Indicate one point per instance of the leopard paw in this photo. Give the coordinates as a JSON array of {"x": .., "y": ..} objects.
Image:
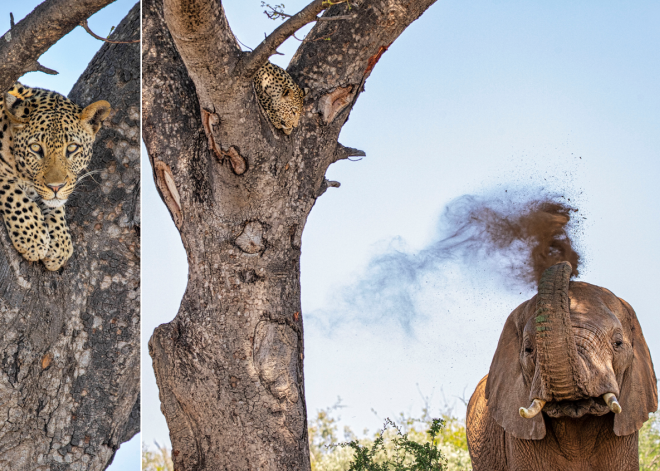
[
  {"x": 33, "y": 244},
  {"x": 61, "y": 248},
  {"x": 55, "y": 259},
  {"x": 55, "y": 262}
]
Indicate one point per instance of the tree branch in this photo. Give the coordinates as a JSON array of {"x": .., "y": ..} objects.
[
  {"x": 164, "y": 105},
  {"x": 254, "y": 60},
  {"x": 25, "y": 42},
  {"x": 85, "y": 26},
  {"x": 37, "y": 67},
  {"x": 205, "y": 43},
  {"x": 335, "y": 18},
  {"x": 336, "y": 79},
  {"x": 342, "y": 152},
  {"x": 276, "y": 12}
]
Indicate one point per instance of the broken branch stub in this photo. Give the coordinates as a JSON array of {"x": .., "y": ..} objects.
[
  {"x": 342, "y": 152},
  {"x": 210, "y": 121},
  {"x": 325, "y": 184},
  {"x": 251, "y": 239},
  {"x": 238, "y": 163},
  {"x": 167, "y": 187},
  {"x": 330, "y": 105}
]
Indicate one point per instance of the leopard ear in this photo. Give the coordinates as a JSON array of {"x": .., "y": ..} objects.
[
  {"x": 12, "y": 104},
  {"x": 94, "y": 115}
]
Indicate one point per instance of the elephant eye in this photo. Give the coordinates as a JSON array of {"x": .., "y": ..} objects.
[
  {"x": 528, "y": 350},
  {"x": 617, "y": 343}
]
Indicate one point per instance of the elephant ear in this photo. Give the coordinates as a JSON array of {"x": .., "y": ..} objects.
[
  {"x": 506, "y": 389},
  {"x": 639, "y": 392}
]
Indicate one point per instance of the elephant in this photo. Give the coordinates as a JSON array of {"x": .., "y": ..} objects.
[{"x": 577, "y": 354}]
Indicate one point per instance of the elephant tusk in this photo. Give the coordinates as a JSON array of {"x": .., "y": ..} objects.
[
  {"x": 612, "y": 403},
  {"x": 534, "y": 409}
]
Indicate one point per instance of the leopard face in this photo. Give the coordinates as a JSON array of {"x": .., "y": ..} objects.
[
  {"x": 45, "y": 143},
  {"x": 52, "y": 142},
  {"x": 280, "y": 97}
]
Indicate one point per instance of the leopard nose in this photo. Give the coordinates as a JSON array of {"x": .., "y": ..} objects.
[{"x": 55, "y": 186}]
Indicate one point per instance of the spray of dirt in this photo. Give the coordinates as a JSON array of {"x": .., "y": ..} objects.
[
  {"x": 512, "y": 237},
  {"x": 526, "y": 237}
]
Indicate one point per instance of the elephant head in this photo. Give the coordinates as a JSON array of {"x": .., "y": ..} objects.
[{"x": 573, "y": 349}]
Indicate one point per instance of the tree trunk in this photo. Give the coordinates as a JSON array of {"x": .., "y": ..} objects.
[
  {"x": 229, "y": 367},
  {"x": 69, "y": 368}
]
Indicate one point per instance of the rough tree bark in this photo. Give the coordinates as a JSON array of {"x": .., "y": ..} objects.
[
  {"x": 69, "y": 340},
  {"x": 229, "y": 367}
]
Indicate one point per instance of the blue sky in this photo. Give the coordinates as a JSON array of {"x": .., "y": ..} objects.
[
  {"x": 70, "y": 57},
  {"x": 476, "y": 97}
]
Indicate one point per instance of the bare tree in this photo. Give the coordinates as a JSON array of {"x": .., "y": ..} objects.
[
  {"x": 69, "y": 342},
  {"x": 229, "y": 367}
]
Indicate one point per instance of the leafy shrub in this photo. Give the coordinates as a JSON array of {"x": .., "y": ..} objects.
[
  {"x": 649, "y": 444},
  {"x": 413, "y": 445},
  {"x": 402, "y": 454},
  {"x": 446, "y": 436},
  {"x": 159, "y": 460}
]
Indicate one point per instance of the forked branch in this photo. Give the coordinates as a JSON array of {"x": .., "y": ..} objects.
[
  {"x": 26, "y": 41},
  {"x": 254, "y": 60}
]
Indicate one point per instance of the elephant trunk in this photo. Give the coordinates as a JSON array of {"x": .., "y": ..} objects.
[{"x": 557, "y": 356}]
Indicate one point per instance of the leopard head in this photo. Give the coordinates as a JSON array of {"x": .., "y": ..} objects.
[
  {"x": 289, "y": 109},
  {"x": 52, "y": 141},
  {"x": 280, "y": 97}
]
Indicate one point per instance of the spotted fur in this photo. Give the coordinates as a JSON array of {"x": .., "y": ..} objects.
[
  {"x": 45, "y": 143},
  {"x": 280, "y": 97}
]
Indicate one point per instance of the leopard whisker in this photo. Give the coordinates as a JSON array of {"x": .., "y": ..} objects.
[{"x": 92, "y": 172}]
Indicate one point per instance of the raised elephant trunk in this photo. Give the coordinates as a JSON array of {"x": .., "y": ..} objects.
[{"x": 557, "y": 356}]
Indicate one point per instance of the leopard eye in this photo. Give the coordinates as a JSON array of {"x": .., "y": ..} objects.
[
  {"x": 36, "y": 148},
  {"x": 71, "y": 148}
]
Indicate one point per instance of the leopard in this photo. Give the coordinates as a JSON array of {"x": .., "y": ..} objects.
[
  {"x": 280, "y": 97},
  {"x": 45, "y": 143}
]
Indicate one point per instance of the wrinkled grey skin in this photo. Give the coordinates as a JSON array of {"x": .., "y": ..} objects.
[{"x": 567, "y": 346}]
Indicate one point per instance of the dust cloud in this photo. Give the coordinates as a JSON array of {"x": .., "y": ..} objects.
[
  {"x": 525, "y": 236},
  {"x": 512, "y": 238}
]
